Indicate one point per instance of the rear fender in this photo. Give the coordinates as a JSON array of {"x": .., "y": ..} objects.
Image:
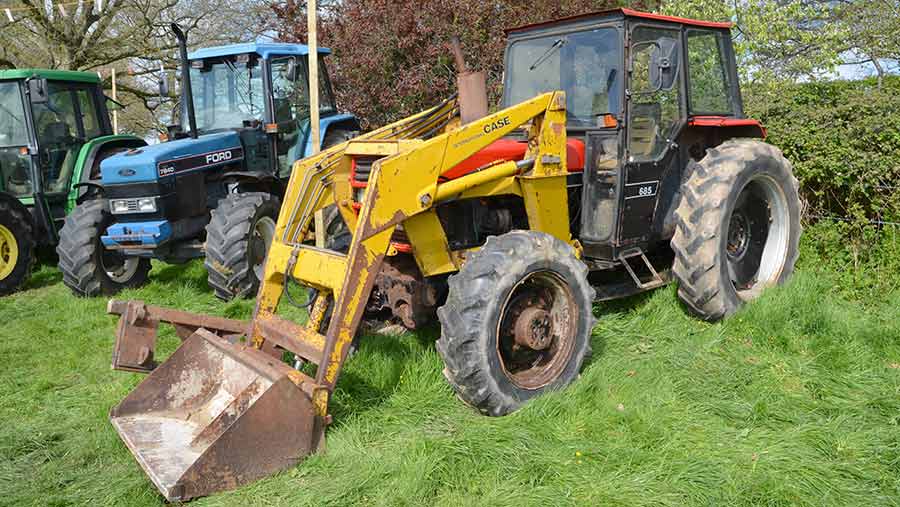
[{"x": 345, "y": 121}]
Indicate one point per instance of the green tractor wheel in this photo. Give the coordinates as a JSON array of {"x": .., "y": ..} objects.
[{"x": 16, "y": 245}]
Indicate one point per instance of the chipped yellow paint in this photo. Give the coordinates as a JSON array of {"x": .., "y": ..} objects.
[{"x": 320, "y": 402}]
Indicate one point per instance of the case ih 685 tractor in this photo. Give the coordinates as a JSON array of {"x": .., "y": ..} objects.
[
  {"x": 213, "y": 189},
  {"x": 620, "y": 156},
  {"x": 54, "y": 132}
]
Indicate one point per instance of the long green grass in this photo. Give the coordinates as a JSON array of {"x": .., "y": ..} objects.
[{"x": 794, "y": 401}]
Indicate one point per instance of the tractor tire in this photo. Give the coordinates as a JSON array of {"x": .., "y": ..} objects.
[
  {"x": 87, "y": 267},
  {"x": 17, "y": 245},
  {"x": 237, "y": 240},
  {"x": 336, "y": 136},
  {"x": 517, "y": 321},
  {"x": 737, "y": 227}
]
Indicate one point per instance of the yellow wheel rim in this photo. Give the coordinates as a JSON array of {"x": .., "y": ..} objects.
[{"x": 9, "y": 252}]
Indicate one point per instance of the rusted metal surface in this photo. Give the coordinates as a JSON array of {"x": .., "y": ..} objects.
[
  {"x": 136, "y": 332},
  {"x": 401, "y": 289},
  {"x": 533, "y": 328},
  {"x": 537, "y": 330},
  {"x": 217, "y": 415},
  {"x": 472, "y": 86},
  {"x": 292, "y": 337}
]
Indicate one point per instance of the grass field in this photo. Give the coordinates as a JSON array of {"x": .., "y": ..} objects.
[{"x": 795, "y": 401}]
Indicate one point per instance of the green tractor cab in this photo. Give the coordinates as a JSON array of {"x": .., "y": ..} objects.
[{"x": 54, "y": 132}]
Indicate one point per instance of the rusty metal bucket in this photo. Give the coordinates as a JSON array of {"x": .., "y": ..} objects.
[{"x": 216, "y": 415}]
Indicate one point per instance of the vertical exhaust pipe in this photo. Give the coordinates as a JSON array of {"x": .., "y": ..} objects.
[
  {"x": 187, "y": 95},
  {"x": 472, "y": 86}
]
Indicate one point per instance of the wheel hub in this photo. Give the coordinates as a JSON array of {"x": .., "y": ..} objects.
[
  {"x": 738, "y": 235},
  {"x": 9, "y": 252},
  {"x": 533, "y": 329}
]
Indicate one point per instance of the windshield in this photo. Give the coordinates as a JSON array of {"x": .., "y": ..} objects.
[
  {"x": 586, "y": 65},
  {"x": 12, "y": 115},
  {"x": 227, "y": 93}
]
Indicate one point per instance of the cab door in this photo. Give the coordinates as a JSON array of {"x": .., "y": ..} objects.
[{"x": 655, "y": 115}]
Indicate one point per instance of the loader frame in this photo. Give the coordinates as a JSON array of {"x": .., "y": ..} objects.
[{"x": 404, "y": 189}]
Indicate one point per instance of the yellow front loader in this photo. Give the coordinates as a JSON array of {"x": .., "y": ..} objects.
[
  {"x": 506, "y": 226},
  {"x": 224, "y": 409}
]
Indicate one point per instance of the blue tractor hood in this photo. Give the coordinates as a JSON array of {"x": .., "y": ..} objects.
[{"x": 165, "y": 160}]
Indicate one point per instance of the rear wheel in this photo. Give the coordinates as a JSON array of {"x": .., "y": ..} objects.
[
  {"x": 238, "y": 237},
  {"x": 517, "y": 321},
  {"x": 16, "y": 245},
  {"x": 88, "y": 268},
  {"x": 738, "y": 227}
]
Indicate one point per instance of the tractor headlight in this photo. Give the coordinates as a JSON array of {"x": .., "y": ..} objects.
[
  {"x": 147, "y": 204},
  {"x": 139, "y": 205}
]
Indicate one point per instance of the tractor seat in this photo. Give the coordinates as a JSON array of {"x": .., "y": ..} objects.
[{"x": 510, "y": 149}]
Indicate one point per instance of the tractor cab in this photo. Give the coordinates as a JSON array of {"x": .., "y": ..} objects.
[
  {"x": 262, "y": 90},
  {"x": 52, "y": 125},
  {"x": 645, "y": 93}
]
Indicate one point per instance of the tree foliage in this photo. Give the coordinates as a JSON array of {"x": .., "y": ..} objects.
[
  {"x": 390, "y": 56},
  {"x": 774, "y": 40},
  {"x": 130, "y": 35}
]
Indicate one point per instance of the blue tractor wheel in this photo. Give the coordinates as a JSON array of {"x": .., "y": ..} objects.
[{"x": 88, "y": 268}]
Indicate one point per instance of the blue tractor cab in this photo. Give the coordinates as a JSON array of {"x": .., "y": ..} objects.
[{"x": 214, "y": 188}]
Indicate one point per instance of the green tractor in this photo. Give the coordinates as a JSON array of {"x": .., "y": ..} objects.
[{"x": 54, "y": 132}]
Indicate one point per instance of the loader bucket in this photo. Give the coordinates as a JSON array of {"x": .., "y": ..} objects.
[{"x": 217, "y": 415}]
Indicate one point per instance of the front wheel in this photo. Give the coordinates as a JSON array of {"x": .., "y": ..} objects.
[
  {"x": 16, "y": 245},
  {"x": 737, "y": 227},
  {"x": 517, "y": 321},
  {"x": 88, "y": 268},
  {"x": 238, "y": 237}
]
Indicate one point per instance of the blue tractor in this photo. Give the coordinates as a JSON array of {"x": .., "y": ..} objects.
[{"x": 214, "y": 188}]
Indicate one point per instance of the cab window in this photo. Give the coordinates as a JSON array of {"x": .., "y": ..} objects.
[
  {"x": 710, "y": 86},
  {"x": 655, "y": 110},
  {"x": 60, "y": 134}
]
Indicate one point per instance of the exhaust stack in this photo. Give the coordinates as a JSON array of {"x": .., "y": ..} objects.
[
  {"x": 187, "y": 95},
  {"x": 473, "y": 103}
]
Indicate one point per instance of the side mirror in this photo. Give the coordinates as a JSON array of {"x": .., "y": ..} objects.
[
  {"x": 664, "y": 63},
  {"x": 658, "y": 61},
  {"x": 38, "y": 90}
]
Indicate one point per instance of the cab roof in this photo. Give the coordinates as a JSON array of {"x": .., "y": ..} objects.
[
  {"x": 52, "y": 75},
  {"x": 625, "y": 13},
  {"x": 263, "y": 49}
]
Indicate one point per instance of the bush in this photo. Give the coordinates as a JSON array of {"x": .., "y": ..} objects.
[{"x": 843, "y": 138}]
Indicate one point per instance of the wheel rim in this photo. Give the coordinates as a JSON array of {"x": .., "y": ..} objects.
[
  {"x": 756, "y": 245},
  {"x": 9, "y": 252},
  {"x": 118, "y": 268},
  {"x": 260, "y": 239},
  {"x": 536, "y": 333}
]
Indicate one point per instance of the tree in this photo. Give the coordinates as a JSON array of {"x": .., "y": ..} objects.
[
  {"x": 783, "y": 40},
  {"x": 131, "y": 35},
  {"x": 387, "y": 66},
  {"x": 871, "y": 34}
]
